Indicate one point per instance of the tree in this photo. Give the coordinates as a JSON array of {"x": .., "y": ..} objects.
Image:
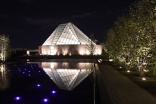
[
  {"x": 5, "y": 47},
  {"x": 144, "y": 12},
  {"x": 91, "y": 46},
  {"x": 132, "y": 38}
]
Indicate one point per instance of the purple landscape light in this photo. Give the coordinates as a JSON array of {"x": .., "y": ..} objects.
[
  {"x": 38, "y": 85},
  {"x": 53, "y": 92},
  {"x": 45, "y": 100},
  {"x": 17, "y": 98}
]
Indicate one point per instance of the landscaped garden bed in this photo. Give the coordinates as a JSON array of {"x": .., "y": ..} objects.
[{"x": 149, "y": 83}]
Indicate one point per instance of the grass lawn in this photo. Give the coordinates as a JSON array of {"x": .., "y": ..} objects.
[{"x": 149, "y": 84}]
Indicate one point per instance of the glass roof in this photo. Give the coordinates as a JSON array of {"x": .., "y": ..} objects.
[{"x": 67, "y": 34}]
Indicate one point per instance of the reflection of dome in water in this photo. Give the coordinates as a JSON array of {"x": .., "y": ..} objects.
[{"x": 66, "y": 79}]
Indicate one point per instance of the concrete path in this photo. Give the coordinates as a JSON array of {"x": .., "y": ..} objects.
[
  {"x": 121, "y": 90},
  {"x": 104, "y": 97}
]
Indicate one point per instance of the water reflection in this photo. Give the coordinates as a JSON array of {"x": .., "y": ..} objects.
[
  {"x": 67, "y": 75},
  {"x": 4, "y": 81}
]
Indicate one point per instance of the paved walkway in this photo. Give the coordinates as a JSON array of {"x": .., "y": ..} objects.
[{"x": 120, "y": 89}]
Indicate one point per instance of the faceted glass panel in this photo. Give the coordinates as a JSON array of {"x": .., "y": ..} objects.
[{"x": 67, "y": 34}]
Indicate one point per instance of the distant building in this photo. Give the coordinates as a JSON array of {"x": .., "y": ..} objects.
[
  {"x": 67, "y": 39},
  {"x": 19, "y": 51},
  {"x": 24, "y": 52}
]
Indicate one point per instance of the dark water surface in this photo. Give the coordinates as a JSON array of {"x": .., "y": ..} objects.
[{"x": 55, "y": 82}]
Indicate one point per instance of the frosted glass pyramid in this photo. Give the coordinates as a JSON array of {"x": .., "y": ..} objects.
[{"x": 67, "y": 34}]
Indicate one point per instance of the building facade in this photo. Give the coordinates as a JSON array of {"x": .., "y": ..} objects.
[{"x": 67, "y": 39}]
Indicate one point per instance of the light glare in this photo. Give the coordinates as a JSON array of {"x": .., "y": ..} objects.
[
  {"x": 143, "y": 78},
  {"x": 17, "y": 98},
  {"x": 53, "y": 92},
  {"x": 38, "y": 85},
  {"x": 45, "y": 100}
]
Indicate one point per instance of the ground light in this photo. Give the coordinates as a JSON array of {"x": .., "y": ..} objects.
[
  {"x": 53, "y": 92},
  {"x": 45, "y": 100},
  {"x": 110, "y": 60},
  {"x": 38, "y": 85},
  {"x": 17, "y": 98},
  {"x": 128, "y": 71},
  {"x": 143, "y": 78},
  {"x": 99, "y": 60}
]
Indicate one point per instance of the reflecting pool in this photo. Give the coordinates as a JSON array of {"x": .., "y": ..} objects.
[{"x": 52, "y": 82}]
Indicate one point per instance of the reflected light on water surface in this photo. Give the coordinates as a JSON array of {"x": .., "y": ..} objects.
[
  {"x": 67, "y": 75},
  {"x": 4, "y": 81}
]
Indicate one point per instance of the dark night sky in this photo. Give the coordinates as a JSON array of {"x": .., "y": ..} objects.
[{"x": 30, "y": 22}]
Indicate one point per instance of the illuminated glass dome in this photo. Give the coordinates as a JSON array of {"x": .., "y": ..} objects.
[{"x": 67, "y": 34}]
